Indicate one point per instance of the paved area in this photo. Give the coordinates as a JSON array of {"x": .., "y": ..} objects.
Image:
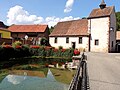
[{"x": 104, "y": 71}]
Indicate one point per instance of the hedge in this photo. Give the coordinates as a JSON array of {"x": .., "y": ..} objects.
[{"x": 18, "y": 51}]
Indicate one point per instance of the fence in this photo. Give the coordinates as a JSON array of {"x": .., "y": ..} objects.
[{"x": 80, "y": 80}]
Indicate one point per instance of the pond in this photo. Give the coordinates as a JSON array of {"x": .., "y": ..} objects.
[
  {"x": 35, "y": 76},
  {"x": 24, "y": 82}
]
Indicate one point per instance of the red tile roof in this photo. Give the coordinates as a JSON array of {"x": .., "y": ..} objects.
[
  {"x": 118, "y": 35},
  {"x": 71, "y": 28},
  {"x": 27, "y": 28},
  {"x": 101, "y": 12}
]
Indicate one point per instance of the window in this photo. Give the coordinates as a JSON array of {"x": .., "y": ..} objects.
[
  {"x": 96, "y": 42},
  {"x": 112, "y": 43},
  {"x": 0, "y": 35},
  {"x": 67, "y": 39},
  {"x": 80, "y": 40},
  {"x": 55, "y": 40}
]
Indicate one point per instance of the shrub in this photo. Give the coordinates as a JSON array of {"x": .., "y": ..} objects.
[
  {"x": 41, "y": 51},
  {"x": 44, "y": 41},
  {"x": 17, "y": 43},
  {"x": 60, "y": 47},
  {"x": 76, "y": 52},
  {"x": 35, "y": 46}
]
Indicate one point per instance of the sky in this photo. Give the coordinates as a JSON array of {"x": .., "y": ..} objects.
[{"x": 48, "y": 11}]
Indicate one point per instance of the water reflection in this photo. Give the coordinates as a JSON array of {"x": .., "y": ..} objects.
[
  {"x": 14, "y": 79},
  {"x": 50, "y": 76},
  {"x": 15, "y": 82}
]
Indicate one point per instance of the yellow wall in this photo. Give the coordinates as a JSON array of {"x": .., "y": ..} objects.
[{"x": 5, "y": 33}]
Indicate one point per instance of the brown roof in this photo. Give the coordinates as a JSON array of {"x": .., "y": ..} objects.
[
  {"x": 101, "y": 12},
  {"x": 71, "y": 28},
  {"x": 118, "y": 35},
  {"x": 27, "y": 28},
  {"x": 4, "y": 29}
]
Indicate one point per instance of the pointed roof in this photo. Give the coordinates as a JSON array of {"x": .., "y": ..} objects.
[
  {"x": 96, "y": 13},
  {"x": 71, "y": 28},
  {"x": 103, "y": 11},
  {"x": 28, "y": 28},
  {"x": 102, "y": 5}
]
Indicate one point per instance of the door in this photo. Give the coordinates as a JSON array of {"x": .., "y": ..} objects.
[{"x": 73, "y": 45}]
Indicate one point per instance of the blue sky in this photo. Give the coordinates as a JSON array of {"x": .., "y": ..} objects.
[{"x": 48, "y": 11}]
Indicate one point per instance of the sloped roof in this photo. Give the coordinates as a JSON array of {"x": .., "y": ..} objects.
[
  {"x": 71, "y": 28},
  {"x": 118, "y": 35},
  {"x": 27, "y": 28},
  {"x": 101, "y": 12},
  {"x": 4, "y": 29}
]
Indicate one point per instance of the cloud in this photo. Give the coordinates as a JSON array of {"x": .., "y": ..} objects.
[
  {"x": 14, "y": 79},
  {"x": 17, "y": 15},
  {"x": 68, "y": 6}
]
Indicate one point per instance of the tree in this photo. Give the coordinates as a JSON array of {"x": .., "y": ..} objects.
[
  {"x": 44, "y": 41},
  {"x": 118, "y": 20},
  {"x": 51, "y": 29}
]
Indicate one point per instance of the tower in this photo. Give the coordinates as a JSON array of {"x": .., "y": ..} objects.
[{"x": 102, "y": 5}]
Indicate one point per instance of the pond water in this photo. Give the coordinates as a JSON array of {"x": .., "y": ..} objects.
[{"x": 24, "y": 82}]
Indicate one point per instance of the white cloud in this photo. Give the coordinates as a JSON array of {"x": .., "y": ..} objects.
[
  {"x": 17, "y": 15},
  {"x": 14, "y": 79},
  {"x": 68, "y": 6}
]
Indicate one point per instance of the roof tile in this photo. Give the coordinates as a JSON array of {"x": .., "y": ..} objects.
[
  {"x": 101, "y": 12},
  {"x": 68, "y": 28},
  {"x": 27, "y": 28}
]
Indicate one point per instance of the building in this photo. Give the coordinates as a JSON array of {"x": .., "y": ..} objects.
[
  {"x": 29, "y": 34},
  {"x": 118, "y": 41},
  {"x": 5, "y": 35},
  {"x": 97, "y": 33},
  {"x": 70, "y": 34}
]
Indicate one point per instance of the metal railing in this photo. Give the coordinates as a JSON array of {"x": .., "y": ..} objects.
[{"x": 80, "y": 80}]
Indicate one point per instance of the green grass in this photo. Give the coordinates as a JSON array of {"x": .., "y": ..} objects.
[
  {"x": 64, "y": 76},
  {"x": 32, "y": 68},
  {"x": 3, "y": 74}
]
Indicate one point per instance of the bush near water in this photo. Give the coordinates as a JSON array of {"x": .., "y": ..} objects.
[{"x": 18, "y": 51}]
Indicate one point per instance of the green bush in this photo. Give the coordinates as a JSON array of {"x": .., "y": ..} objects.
[
  {"x": 17, "y": 43},
  {"x": 60, "y": 47},
  {"x": 44, "y": 41}
]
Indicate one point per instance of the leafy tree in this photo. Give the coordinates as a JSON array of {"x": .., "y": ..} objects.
[
  {"x": 51, "y": 29},
  {"x": 118, "y": 20},
  {"x": 44, "y": 41}
]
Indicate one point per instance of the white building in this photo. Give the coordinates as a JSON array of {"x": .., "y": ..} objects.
[{"x": 97, "y": 33}]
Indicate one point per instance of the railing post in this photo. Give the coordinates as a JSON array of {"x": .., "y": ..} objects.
[{"x": 80, "y": 80}]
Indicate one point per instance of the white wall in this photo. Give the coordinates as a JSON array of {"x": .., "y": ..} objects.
[
  {"x": 62, "y": 42},
  {"x": 99, "y": 30}
]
